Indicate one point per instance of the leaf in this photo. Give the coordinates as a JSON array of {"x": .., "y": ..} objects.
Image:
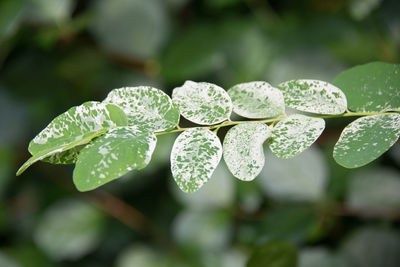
[
  {"x": 194, "y": 157},
  {"x": 372, "y": 87},
  {"x": 365, "y": 139},
  {"x": 145, "y": 106},
  {"x": 256, "y": 100},
  {"x": 202, "y": 103},
  {"x": 76, "y": 127},
  {"x": 321, "y": 257},
  {"x": 313, "y": 96},
  {"x": 294, "y": 134},
  {"x": 112, "y": 155},
  {"x": 69, "y": 230},
  {"x": 274, "y": 254},
  {"x": 66, "y": 157},
  {"x": 243, "y": 149},
  {"x": 302, "y": 178}
]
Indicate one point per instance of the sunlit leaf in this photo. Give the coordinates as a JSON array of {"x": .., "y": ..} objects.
[
  {"x": 243, "y": 149},
  {"x": 145, "y": 106},
  {"x": 194, "y": 157},
  {"x": 202, "y": 103},
  {"x": 69, "y": 230},
  {"x": 256, "y": 100},
  {"x": 76, "y": 127},
  {"x": 372, "y": 87},
  {"x": 314, "y": 96},
  {"x": 365, "y": 139},
  {"x": 302, "y": 178},
  {"x": 139, "y": 255},
  {"x": 294, "y": 134},
  {"x": 274, "y": 254},
  {"x": 112, "y": 155}
]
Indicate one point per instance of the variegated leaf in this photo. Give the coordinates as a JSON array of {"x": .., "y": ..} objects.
[
  {"x": 194, "y": 157},
  {"x": 243, "y": 150},
  {"x": 294, "y": 134},
  {"x": 257, "y": 100},
  {"x": 314, "y": 96},
  {"x": 66, "y": 157},
  {"x": 365, "y": 139},
  {"x": 145, "y": 106},
  {"x": 73, "y": 128},
  {"x": 112, "y": 155},
  {"x": 371, "y": 87},
  {"x": 202, "y": 103}
]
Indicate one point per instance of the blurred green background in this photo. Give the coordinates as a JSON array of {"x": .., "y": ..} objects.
[{"x": 55, "y": 54}]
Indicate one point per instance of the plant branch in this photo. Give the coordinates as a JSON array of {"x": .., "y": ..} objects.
[{"x": 277, "y": 119}]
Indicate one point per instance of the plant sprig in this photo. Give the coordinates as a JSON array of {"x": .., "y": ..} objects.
[{"x": 108, "y": 139}]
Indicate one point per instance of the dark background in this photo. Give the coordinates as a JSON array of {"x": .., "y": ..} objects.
[{"x": 55, "y": 54}]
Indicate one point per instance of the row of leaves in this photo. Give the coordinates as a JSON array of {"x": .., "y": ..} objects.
[{"x": 107, "y": 139}]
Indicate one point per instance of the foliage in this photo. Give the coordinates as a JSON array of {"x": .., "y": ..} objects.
[{"x": 197, "y": 151}]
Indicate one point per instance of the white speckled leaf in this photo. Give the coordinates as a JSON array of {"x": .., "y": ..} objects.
[
  {"x": 65, "y": 157},
  {"x": 73, "y": 128},
  {"x": 257, "y": 100},
  {"x": 294, "y": 134},
  {"x": 371, "y": 87},
  {"x": 194, "y": 157},
  {"x": 146, "y": 106},
  {"x": 243, "y": 149},
  {"x": 112, "y": 155},
  {"x": 202, "y": 103},
  {"x": 365, "y": 139},
  {"x": 314, "y": 96}
]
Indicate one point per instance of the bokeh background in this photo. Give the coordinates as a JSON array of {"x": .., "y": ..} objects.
[{"x": 55, "y": 54}]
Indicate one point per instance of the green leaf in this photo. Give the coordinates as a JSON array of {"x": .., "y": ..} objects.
[
  {"x": 112, "y": 155},
  {"x": 313, "y": 96},
  {"x": 257, "y": 100},
  {"x": 365, "y": 139},
  {"x": 69, "y": 230},
  {"x": 66, "y": 157},
  {"x": 194, "y": 157},
  {"x": 294, "y": 134},
  {"x": 76, "y": 127},
  {"x": 243, "y": 149},
  {"x": 146, "y": 106},
  {"x": 274, "y": 254},
  {"x": 371, "y": 87},
  {"x": 202, "y": 103}
]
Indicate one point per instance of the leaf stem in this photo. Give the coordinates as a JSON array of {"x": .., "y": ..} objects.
[{"x": 277, "y": 119}]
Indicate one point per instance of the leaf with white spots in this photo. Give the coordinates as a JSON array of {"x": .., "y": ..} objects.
[
  {"x": 202, "y": 103},
  {"x": 372, "y": 87},
  {"x": 365, "y": 139},
  {"x": 257, "y": 100},
  {"x": 76, "y": 127},
  {"x": 314, "y": 96},
  {"x": 243, "y": 150},
  {"x": 66, "y": 157},
  {"x": 194, "y": 157},
  {"x": 294, "y": 134},
  {"x": 112, "y": 155},
  {"x": 146, "y": 106}
]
